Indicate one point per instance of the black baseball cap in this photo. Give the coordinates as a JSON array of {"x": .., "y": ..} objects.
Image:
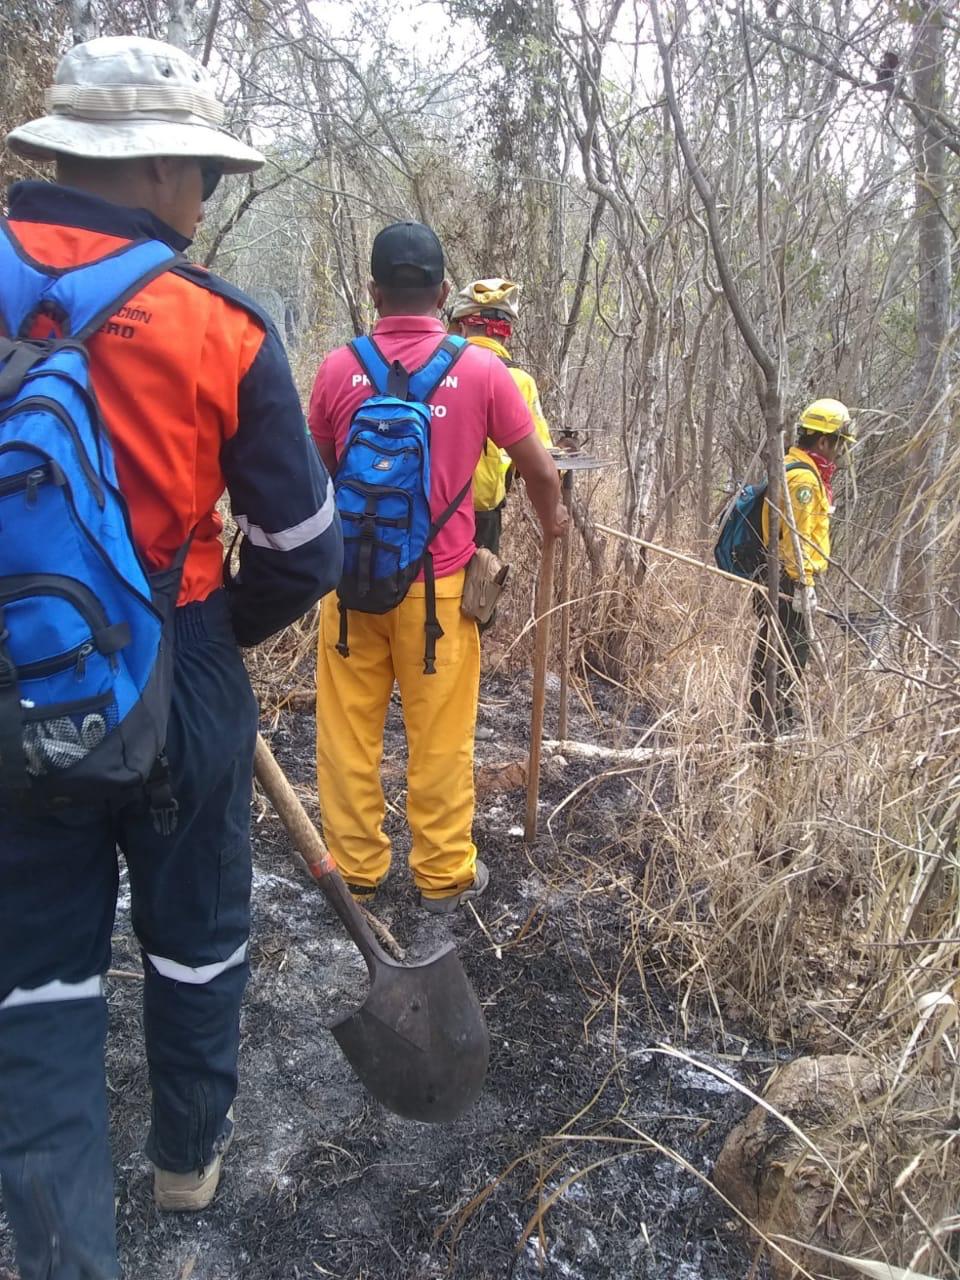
[{"x": 406, "y": 244}]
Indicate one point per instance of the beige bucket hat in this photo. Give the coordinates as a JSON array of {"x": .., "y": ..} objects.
[{"x": 122, "y": 97}]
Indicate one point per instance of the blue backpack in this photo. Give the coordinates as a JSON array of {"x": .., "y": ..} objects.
[
  {"x": 382, "y": 488},
  {"x": 740, "y": 547},
  {"x": 85, "y": 659}
]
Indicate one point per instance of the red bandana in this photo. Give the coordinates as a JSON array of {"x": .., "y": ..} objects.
[
  {"x": 826, "y": 470},
  {"x": 492, "y": 328}
]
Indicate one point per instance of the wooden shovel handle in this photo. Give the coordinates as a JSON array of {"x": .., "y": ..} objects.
[
  {"x": 291, "y": 812},
  {"x": 306, "y": 839}
]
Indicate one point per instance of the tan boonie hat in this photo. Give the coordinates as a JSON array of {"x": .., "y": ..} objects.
[
  {"x": 124, "y": 97},
  {"x": 487, "y": 295}
]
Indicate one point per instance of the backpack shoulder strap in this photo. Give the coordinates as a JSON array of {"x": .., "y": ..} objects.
[
  {"x": 426, "y": 379},
  {"x": 797, "y": 465},
  {"x": 23, "y": 283},
  {"x": 372, "y": 362},
  {"x": 84, "y": 296}
]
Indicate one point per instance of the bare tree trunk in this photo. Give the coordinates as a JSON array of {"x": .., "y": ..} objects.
[
  {"x": 773, "y": 418},
  {"x": 83, "y": 21},
  {"x": 707, "y": 431},
  {"x": 180, "y": 23},
  {"x": 932, "y": 378}
]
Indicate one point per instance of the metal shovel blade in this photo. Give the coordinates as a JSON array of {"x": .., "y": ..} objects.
[{"x": 419, "y": 1042}]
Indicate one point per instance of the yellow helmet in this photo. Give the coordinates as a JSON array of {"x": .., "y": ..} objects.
[
  {"x": 828, "y": 417},
  {"x": 487, "y": 295}
]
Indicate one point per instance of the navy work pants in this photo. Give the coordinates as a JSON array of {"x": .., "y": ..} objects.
[
  {"x": 190, "y": 895},
  {"x": 791, "y": 649}
]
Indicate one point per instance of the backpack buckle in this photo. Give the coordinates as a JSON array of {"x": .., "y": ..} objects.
[
  {"x": 164, "y": 807},
  {"x": 342, "y": 647},
  {"x": 434, "y": 632}
]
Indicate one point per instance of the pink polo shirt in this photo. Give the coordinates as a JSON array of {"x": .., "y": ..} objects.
[{"x": 477, "y": 399}]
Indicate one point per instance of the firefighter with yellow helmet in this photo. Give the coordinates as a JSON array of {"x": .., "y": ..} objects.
[
  {"x": 824, "y": 430},
  {"x": 484, "y": 312}
]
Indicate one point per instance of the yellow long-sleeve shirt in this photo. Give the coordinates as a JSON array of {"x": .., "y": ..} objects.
[
  {"x": 490, "y": 477},
  {"x": 810, "y": 505}
]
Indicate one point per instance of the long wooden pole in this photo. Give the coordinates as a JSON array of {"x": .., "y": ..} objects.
[
  {"x": 678, "y": 555},
  {"x": 707, "y": 568},
  {"x": 544, "y": 610},
  {"x": 566, "y": 486}
]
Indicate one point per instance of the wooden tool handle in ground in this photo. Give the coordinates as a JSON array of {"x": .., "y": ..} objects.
[
  {"x": 306, "y": 839},
  {"x": 566, "y": 488},
  {"x": 543, "y": 607}
]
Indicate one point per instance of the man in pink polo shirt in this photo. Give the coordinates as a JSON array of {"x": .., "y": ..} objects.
[{"x": 477, "y": 400}]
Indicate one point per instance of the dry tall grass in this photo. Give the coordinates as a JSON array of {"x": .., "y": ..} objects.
[{"x": 807, "y": 890}]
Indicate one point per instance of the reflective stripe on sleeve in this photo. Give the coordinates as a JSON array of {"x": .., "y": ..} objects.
[
  {"x": 88, "y": 989},
  {"x": 296, "y": 535},
  {"x": 202, "y": 973}
]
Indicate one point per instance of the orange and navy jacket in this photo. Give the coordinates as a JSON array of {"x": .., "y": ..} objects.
[{"x": 197, "y": 396}]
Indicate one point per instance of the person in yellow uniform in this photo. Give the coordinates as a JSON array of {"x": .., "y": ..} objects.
[
  {"x": 358, "y": 666},
  {"x": 484, "y": 312},
  {"x": 823, "y": 432}
]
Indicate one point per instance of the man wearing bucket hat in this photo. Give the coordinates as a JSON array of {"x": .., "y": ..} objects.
[
  {"x": 197, "y": 397},
  {"x": 824, "y": 431},
  {"x": 485, "y": 312}
]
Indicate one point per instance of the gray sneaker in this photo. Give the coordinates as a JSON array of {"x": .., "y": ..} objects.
[{"x": 445, "y": 906}]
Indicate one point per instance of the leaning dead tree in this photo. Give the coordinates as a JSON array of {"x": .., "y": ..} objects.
[{"x": 771, "y": 366}]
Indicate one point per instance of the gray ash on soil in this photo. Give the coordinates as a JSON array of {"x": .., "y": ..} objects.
[{"x": 321, "y": 1181}]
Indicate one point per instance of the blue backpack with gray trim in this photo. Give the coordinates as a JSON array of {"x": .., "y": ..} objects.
[
  {"x": 382, "y": 488},
  {"x": 740, "y": 548},
  {"x": 85, "y": 660}
]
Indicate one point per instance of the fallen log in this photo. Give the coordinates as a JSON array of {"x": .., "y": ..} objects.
[
  {"x": 612, "y": 755},
  {"x": 646, "y": 755}
]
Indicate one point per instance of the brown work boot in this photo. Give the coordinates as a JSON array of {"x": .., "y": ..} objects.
[
  {"x": 444, "y": 906},
  {"x": 363, "y": 894},
  {"x": 191, "y": 1192}
]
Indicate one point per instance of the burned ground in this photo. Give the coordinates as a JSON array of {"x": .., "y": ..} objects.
[{"x": 323, "y": 1182}]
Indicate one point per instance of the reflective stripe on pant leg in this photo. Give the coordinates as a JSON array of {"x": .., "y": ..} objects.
[
  {"x": 352, "y": 698},
  {"x": 197, "y": 975},
  {"x": 58, "y": 886},
  {"x": 55, "y": 1162},
  {"x": 440, "y": 714},
  {"x": 55, "y": 990}
]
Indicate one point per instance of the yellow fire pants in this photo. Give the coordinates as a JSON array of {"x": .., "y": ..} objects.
[{"x": 439, "y": 713}]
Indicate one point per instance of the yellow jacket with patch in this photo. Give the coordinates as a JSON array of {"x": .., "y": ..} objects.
[
  {"x": 490, "y": 477},
  {"x": 810, "y": 505}
]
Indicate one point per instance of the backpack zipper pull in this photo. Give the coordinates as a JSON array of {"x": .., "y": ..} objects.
[
  {"x": 34, "y": 481},
  {"x": 83, "y": 653}
]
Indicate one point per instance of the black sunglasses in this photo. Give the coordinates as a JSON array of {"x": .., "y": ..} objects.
[{"x": 210, "y": 176}]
